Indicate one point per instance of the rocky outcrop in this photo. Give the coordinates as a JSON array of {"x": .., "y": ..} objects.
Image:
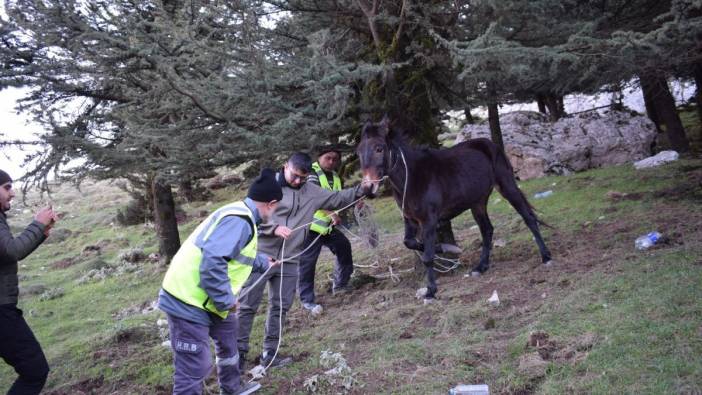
[{"x": 537, "y": 147}]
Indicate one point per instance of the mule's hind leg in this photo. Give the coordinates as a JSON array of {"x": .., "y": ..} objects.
[
  {"x": 486, "y": 229},
  {"x": 517, "y": 199}
]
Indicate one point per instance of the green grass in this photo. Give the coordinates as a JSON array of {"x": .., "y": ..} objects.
[
  {"x": 648, "y": 318},
  {"x": 657, "y": 297},
  {"x": 691, "y": 122},
  {"x": 643, "y": 307}
]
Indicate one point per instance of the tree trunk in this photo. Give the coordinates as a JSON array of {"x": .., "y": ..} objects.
[
  {"x": 698, "y": 83},
  {"x": 165, "y": 219},
  {"x": 494, "y": 120},
  {"x": 469, "y": 117},
  {"x": 664, "y": 107},
  {"x": 554, "y": 104},
  {"x": 185, "y": 190},
  {"x": 650, "y": 106},
  {"x": 616, "y": 102},
  {"x": 540, "y": 102}
]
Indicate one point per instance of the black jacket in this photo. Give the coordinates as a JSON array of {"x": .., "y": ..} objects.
[{"x": 13, "y": 249}]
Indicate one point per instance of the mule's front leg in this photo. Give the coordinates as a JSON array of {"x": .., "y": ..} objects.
[
  {"x": 429, "y": 239},
  {"x": 411, "y": 241}
]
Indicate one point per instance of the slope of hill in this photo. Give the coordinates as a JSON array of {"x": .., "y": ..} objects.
[{"x": 606, "y": 319}]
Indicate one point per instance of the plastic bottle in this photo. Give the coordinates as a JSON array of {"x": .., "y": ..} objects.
[
  {"x": 647, "y": 241},
  {"x": 464, "y": 389},
  {"x": 543, "y": 194}
]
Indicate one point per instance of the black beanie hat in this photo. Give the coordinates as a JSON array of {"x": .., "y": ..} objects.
[
  {"x": 265, "y": 187},
  {"x": 4, "y": 178}
]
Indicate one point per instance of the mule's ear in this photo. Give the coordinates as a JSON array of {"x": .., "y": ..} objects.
[{"x": 384, "y": 126}]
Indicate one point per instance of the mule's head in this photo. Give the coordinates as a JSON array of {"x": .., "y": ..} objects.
[{"x": 374, "y": 154}]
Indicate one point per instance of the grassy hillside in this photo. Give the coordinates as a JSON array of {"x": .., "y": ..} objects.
[{"x": 605, "y": 319}]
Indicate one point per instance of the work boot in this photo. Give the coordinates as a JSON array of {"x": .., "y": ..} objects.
[
  {"x": 279, "y": 361},
  {"x": 244, "y": 389},
  {"x": 342, "y": 289}
]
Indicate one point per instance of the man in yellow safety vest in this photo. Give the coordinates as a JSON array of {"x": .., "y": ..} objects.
[
  {"x": 200, "y": 289},
  {"x": 323, "y": 231}
]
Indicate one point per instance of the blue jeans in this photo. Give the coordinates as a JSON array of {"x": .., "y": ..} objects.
[{"x": 192, "y": 357}]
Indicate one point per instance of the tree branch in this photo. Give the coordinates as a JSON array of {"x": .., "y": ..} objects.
[
  {"x": 370, "y": 16},
  {"x": 403, "y": 17}
]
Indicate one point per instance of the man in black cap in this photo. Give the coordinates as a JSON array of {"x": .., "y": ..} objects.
[
  {"x": 202, "y": 285},
  {"x": 18, "y": 346},
  {"x": 324, "y": 233}
]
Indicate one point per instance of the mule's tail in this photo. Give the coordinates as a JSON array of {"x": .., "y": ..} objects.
[{"x": 507, "y": 186}]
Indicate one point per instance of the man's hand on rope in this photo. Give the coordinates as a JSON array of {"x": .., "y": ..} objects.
[{"x": 282, "y": 231}]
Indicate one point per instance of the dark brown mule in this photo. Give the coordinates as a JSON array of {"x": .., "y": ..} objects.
[{"x": 441, "y": 184}]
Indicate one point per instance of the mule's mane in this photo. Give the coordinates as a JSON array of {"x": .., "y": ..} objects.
[{"x": 400, "y": 137}]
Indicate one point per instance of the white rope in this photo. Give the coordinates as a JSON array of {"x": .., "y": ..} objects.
[
  {"x": 283, "y": 259},
  {"x": 392, "y": 275},
  {"x": 404, "y": 189},
  {"x": 441, "y": 268}
]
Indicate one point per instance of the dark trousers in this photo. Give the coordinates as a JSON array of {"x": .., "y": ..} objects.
[
  {"x": 20, "y": 349},
  {"x": 192, "y": 358},
  {"x": 340, "y": 246}
]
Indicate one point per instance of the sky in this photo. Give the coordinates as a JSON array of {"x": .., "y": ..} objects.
[{"x": 14, "y": 126}]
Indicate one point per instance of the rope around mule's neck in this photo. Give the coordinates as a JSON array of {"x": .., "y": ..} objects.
[{"x": 406, "y": 181}]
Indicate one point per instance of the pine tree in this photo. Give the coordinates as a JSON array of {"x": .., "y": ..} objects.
[{"x": 159, "y": 90}]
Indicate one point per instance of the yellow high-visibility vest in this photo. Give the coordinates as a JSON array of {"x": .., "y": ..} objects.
[
  {"x": 182, "y": 279},
  {"x": 322, "y": 222}
]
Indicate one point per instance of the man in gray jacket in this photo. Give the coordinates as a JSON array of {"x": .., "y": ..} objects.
[
  {"x": 300, "y": 201},
  {"x": 18, "y": 346}
]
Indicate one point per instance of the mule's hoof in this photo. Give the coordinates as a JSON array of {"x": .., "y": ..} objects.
[
  {"x": 429, "y": 301},
  {"x": 550, "y": 263},
  {"x": 475, "y": 273},
  {"x": 421, "y": 292}
]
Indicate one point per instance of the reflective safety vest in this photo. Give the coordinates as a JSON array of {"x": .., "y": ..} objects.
[
  {"x": 322, "y": 222},
  {"x": 182, "y": 279}
]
